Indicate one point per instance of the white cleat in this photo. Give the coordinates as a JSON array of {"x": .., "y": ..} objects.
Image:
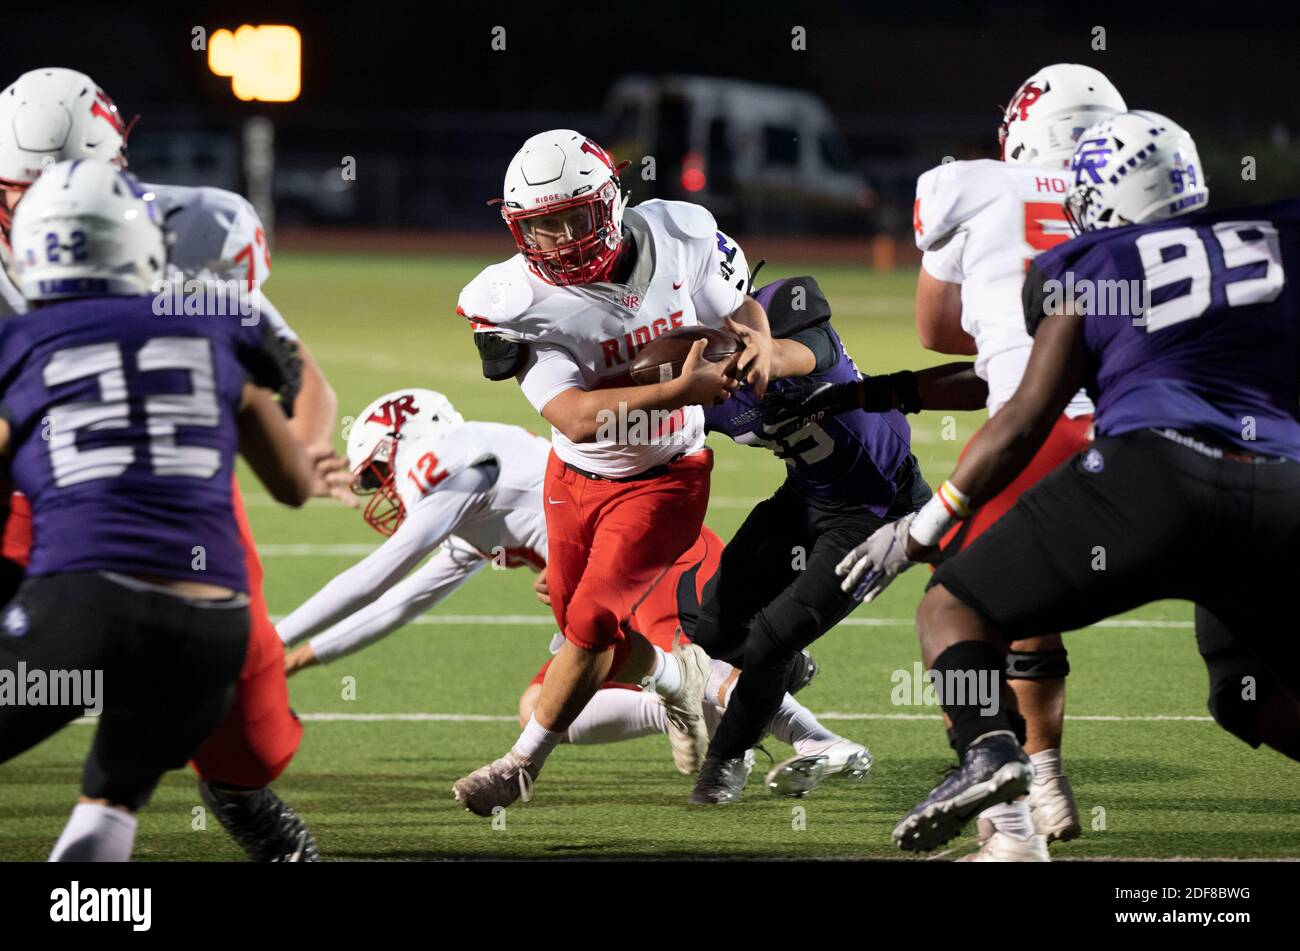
[
  {"x": 496, "y": 785},
  {"x": 685, "y": 709},
  {"x": 1052, "y": 807},
  {"x": 800, "y": 775},
  {"x": 1001, "y": 847}
]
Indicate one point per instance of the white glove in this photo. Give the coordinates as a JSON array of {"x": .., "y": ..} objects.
[{"x": 868, "y": 569}]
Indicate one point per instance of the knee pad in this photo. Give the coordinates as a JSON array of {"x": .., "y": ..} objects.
[
  {"x": 1235, "y": 713},
  {"x": 1037, "y": 665},
  {"x": 764, "y": 649}
]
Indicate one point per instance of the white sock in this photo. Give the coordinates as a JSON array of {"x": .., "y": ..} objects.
[
  {"x": 718, "y": 690},
  {"x": 96, "y": 833},
  {"x": 536, "y": 742},
  {"x": 1011, "y": 818},
  {"x": 617, "y": 714},
  {"x": 795, "y": 724},
  {"x": 1047, "y": 764},
  {"x": 667, "y": 673}
]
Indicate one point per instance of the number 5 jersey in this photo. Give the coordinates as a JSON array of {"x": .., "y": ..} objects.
[{"x": 979, "y": 224}]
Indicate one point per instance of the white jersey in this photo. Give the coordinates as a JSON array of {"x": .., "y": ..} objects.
[
  {"x": 216, "y": 236},
  {"x": 473, "y": 496},
  {"x": 979, "y": 224},
  {"x": 586, "y": 336}
]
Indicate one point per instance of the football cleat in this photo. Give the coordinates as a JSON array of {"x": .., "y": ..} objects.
[
  {"x": 1052, "y": 807},
  {"x": 800, "y": 775},
  {"x": 261, "y": 824},
  {"x": 721, "y": 780},
  {"x": 995, "y": 769},
  {"x": 802, "y": 671},
  {"x": 496, "y": 785},
  {"x": 684, "y": 708},
  {"x": 1001, "y": 847}
]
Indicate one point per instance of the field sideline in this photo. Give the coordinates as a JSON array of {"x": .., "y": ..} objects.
[{"x": 1154, "y": 777}]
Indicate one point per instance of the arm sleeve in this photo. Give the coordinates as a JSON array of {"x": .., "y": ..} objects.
[
  {"x": 445, "y": 572},
  {"x": 822, "y": 343},
  {"x": 427, "y": 525},
  {"x": 548, "y": 373}
]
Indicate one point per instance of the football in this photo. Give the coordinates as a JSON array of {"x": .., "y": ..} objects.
[{"x": 661, "y": 359}]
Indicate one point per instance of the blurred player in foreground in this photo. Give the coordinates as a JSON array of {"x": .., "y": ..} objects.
[
  {"x": 217, "y": 242},
  {"x": 627, "y": 482},
  {"x": 1191, "y": 489},
  {"x": 122, "y": 430}
]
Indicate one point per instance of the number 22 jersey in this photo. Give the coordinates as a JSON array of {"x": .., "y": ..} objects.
[{"x": 123, "y": 436}]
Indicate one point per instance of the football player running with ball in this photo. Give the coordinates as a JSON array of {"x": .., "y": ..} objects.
[
  {"x": 627, "y": 482},
  {"x": 979, "y": 224},
  {"x": 121, "y": 431},
  {"x": 1186, "y": 499}
]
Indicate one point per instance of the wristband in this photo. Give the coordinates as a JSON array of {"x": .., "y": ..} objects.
[
  {"x": 946, "y": 507},
  {"x": 907, "y": 392}
]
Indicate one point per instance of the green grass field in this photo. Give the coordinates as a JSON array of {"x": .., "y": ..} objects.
[{"x": 1154, "y": 777}]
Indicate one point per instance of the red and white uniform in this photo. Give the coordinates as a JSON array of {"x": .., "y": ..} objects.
[
  {"x": 610, "y": 542},
  {"x": 473, "y": 497},
  {"x": 979, "y": 224},
  {"x": 218, "y": 236},
  {"x": 586, "y": 336}
]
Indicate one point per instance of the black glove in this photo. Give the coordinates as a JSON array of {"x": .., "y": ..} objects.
[{"x": 786, "y": 411}]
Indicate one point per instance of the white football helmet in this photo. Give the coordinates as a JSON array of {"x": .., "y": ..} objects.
[
  {"x": 52, "y": 114},
  {"x": 1135, "y": 167},
  {"x": 399, "y": 418},
  {"x": 1042, "y": 123},
  {"x": 86, "y": 229},
  {"x": 563, "y": 205}
]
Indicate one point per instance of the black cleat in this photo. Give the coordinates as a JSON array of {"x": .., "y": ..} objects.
[
  {"x": 995, "y": 769},
  {"x": 721, "y": 780},
  {"x": 263, "y": 826},
  {"x": 802, "y": 671}
]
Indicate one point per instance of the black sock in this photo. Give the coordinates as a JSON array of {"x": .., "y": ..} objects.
[
  {"x": 754, "y": 701},
  {"x": 970, "y": 719}
]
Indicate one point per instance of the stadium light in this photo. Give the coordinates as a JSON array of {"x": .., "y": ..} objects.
[{"x": 264, "y": 63}]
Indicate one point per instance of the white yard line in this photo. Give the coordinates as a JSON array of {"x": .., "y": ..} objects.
[{"x": 546, "y": 620}]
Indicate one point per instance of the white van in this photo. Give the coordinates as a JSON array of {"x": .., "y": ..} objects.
[{"x": 761, "y": 158}]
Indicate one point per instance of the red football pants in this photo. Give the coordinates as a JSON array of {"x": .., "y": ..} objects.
[
  {"x": 1068, "y": 436},
  {"x": 610, "y": 543},
  {"x": 656, "y": 616}
]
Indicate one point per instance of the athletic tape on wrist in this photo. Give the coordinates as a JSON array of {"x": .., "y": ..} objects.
[{"x": 946, "y": 507}]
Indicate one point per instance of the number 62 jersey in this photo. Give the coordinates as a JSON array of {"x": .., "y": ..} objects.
[
  {"x": 1214, "y": 346},
  {"x": 123, "y": 435}
]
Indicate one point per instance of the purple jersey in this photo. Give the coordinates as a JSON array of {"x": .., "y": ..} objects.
[
  {"x": 857, "y": 457},
  {"x": 123, "y": 436},
  {"x": 1215, "y": 347}
]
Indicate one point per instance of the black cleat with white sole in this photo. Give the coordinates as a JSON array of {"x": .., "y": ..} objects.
[
  {"x": 261, "y": 824},
  {"x": 721, "y": 781},
  {"x": 995, "y": 769}
]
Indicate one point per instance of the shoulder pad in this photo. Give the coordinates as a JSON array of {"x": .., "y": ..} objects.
[
  {"x": 214, "y": 230},
  {"x": 946, "y": 197},
  {"x": 793, "y": 304},
  {"x": 496, "y": 296},
  {"x": 683, "y": 218}
]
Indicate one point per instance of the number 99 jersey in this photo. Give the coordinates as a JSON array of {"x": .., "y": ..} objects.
[
  {"x": 1192, "y": 323},
  {"x": 979, "y": 224},
  {"x": 123, "y": 436}
]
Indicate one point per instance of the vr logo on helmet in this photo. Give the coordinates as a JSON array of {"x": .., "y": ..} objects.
[{"x": 394, "y": 412}]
